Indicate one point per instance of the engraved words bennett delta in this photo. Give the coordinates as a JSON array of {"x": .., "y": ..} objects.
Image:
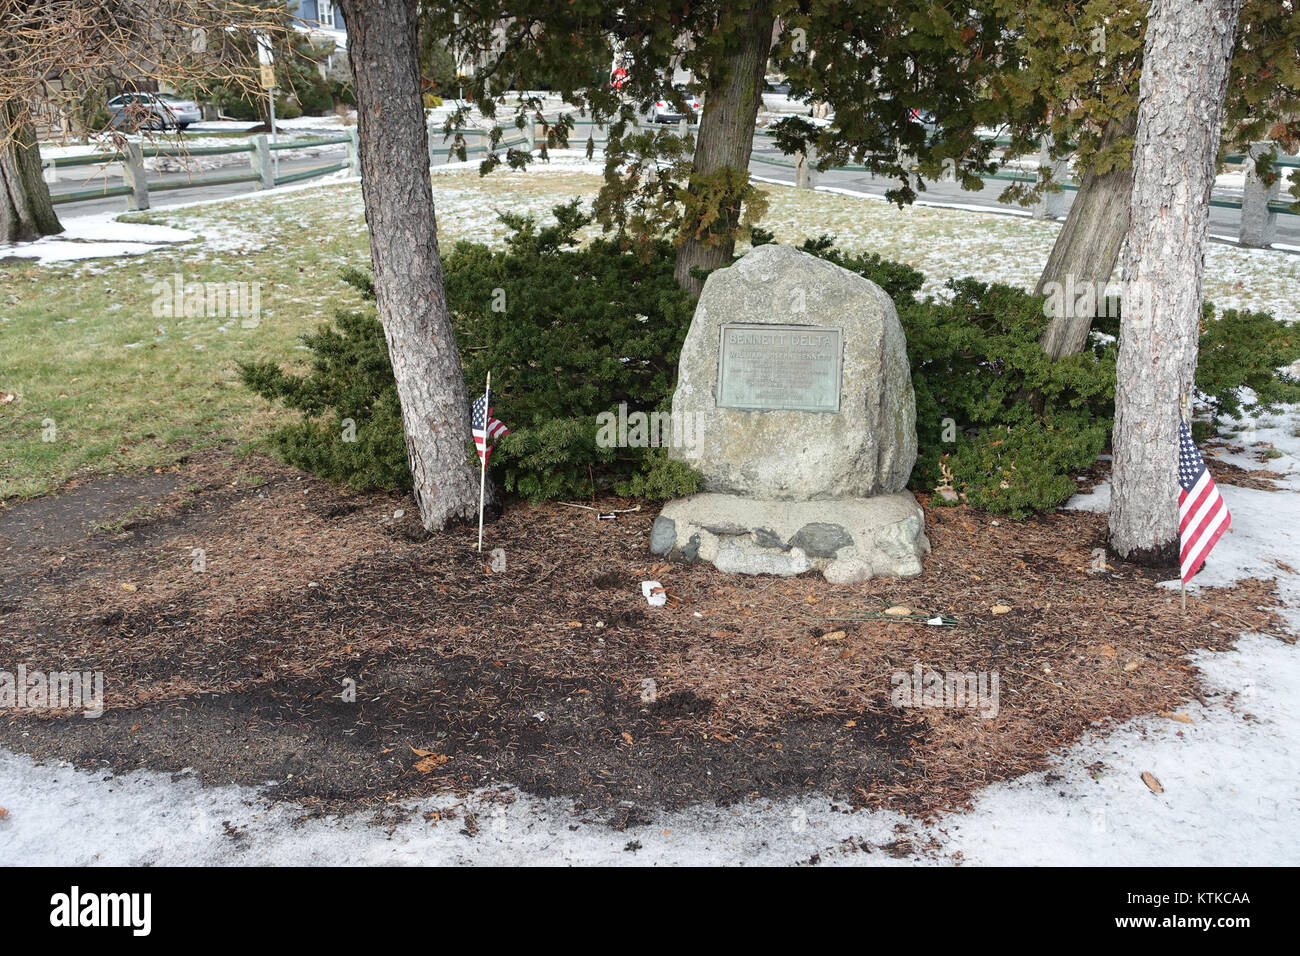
[{"x": 771, "y": 367}]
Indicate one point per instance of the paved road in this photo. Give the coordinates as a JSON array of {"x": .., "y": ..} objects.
[{"x": 1223, "y": 222}]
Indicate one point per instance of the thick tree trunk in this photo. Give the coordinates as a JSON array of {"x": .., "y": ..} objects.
[
  {"x": 1088, "y": 245},
  {"x": 733, "y": 94},
  {"x": 1180, "y": 114},
  {"x": 398, "y": 198},
  {"x": 26, "y": 212}
]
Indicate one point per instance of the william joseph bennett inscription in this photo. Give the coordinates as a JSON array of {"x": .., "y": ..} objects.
[
  {"x": 780, "y": 366},
  {"x": 795, "y": 371}
]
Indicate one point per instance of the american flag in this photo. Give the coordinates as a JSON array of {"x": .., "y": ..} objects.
[
  {"x": 1202, "y": 514},
  {"x": 486, "y": 428}
]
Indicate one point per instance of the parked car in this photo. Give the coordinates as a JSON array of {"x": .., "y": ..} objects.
[
  {"x": 131, "y": 111},
  {"x": 665, "y": 111}
]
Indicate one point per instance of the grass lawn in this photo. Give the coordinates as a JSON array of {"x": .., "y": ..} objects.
[{"x": 82, "y": 348}]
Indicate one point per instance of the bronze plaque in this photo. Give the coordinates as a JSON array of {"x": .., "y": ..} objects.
[{"x": 780, "y": 367}]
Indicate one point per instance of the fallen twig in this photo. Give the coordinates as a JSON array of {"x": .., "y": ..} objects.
[{"x": 613, "y": 511}]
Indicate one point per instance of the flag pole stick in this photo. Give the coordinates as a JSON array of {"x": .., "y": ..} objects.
[{"x": 482, "y": 458}]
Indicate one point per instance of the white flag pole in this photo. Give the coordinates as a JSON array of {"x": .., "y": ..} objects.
[{"x": 482, "y": 458}]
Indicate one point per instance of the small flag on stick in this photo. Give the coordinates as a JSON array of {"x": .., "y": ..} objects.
[
  {"x": 1203, "y": 516},
  {"x": 486, "y": 431},
  {"x": 486, "y": 428}
]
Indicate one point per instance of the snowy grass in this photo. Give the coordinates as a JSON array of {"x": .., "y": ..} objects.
[{"x": 81, "y": 346}]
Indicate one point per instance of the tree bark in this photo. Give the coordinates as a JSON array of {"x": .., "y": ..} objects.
[
  {"x": 1088, "y": 245},
  {"x": 732, "y": 95},
  {"x": 26, "y": 211},
  {"x": 1180, "y": 115},
  {"x": 398, "y": 197}
]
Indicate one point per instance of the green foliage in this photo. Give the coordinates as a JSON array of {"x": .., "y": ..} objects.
[
  {"x": 996, "y": 418},
  {"x": 299, "y": 85},
  {"x": 567, "y": 333},
  {"x": 343, "y": 93},
  {"x": 315, "y": 95},
  {"x": 572, "y": 331},
  {"x": 712, "y": 207},
  {"x": 1246, "y": 349},
  {"x": 1006, "y": 426},
  {"x": 660, "y": 478},
  {"x": 437, "y": 65},
  {"x": 351, "y": 379}
]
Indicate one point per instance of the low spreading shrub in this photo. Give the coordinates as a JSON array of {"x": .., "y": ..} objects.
[{"x": 570, "y": 331}]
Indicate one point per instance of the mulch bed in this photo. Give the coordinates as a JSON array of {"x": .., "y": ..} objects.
[{"x": 535, "y": 677}]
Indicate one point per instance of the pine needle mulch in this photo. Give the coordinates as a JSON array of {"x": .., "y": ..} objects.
[{"x": 554, "y": 675}]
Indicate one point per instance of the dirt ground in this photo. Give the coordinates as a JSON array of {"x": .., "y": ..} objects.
[{"x": 229, "y": 603}]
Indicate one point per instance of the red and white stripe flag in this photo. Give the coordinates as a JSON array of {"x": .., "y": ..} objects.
[
  {"x": 485, "y": 428},
  {"x": 1202, "y": 514}
]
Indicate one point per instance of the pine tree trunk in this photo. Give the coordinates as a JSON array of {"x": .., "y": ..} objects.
[
  {"x": 732, "y": 96},
  {"x": 1180, "y": 113},
  {"x": 398, "y": 198},
  {"x": 1088, "y": 245},
  {"x": 26, "y": 212}
]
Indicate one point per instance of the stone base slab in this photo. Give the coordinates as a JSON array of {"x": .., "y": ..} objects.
[{"x": 848, "y": 539}]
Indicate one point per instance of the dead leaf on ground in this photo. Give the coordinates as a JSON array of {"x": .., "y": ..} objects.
[
  {"x": 898, "y": 610},
  {"x": 1001, "y": 609},
  {"x": 627, "y": 738},
  {"x": 431, "y": 763},
  {"x": 3, "y": 813},
  {"x": 1131, "y": 666},
  {"x": 1150, "y": 780},
  {"x": 1107, "y": 651},
  {"x": 833, "y": 636},
  {"x": 1181, "y": 718}
]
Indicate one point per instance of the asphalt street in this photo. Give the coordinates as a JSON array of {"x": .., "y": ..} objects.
[{"x": 1223, "y": 222}]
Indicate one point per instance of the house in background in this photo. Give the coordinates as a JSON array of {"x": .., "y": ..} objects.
[{"x": 322, "y": 21}]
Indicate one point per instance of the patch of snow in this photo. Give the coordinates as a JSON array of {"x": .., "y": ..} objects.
[
  {"x": 1097, "y": 499},
  {"x": 96, "y": 236}
]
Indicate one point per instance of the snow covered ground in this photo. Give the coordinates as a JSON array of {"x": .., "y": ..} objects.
[
  {"x": 1230, "y": 776},
  {"x": 98, "y": 236}
]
